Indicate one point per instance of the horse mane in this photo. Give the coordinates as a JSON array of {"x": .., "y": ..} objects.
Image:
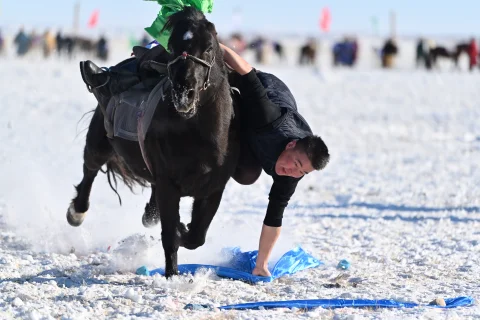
[{"x": 188, "y": 14}]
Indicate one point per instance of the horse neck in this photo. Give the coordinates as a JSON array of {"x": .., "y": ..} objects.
[
  {"x": 217, "y": 96},
  {"x": 217, "y": 113}
]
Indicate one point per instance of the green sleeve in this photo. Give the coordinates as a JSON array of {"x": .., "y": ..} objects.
[{"x": 169, "y": 7}]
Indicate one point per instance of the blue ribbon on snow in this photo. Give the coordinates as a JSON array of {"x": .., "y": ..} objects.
[
  {"x": 241, "y": 265},
  {"x": 342, "y": 303}
]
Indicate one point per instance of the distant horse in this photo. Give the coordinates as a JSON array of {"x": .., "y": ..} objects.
[
  {"x": 439, "y": 52},
  {"x": 191, "y": 147},
  {"x": 85, "y": 45},
  {"x": 308, "y": 54},
  {"x": 459, "y": 49}
]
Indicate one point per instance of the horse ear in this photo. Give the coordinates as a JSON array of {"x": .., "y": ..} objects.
[{"x": 211, "y": 28}]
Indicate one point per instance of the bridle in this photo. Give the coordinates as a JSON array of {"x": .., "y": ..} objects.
[{"x": 185, "y": 56}]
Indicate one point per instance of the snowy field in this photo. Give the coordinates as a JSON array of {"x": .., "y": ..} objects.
[{"x": 400, "y": 200}]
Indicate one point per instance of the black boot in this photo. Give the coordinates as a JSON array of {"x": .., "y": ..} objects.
[{"x": 97, "y": 81}]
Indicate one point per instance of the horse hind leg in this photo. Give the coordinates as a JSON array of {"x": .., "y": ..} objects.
[
  {"x": 96, "y": 153},
  {"x": 79, "y": 206},
  {"x": 151, "y": 215}
]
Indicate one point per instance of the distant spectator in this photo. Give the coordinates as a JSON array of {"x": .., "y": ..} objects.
[
  {"x": 2, "y": 42},
  {"x": 345, "y": 52},
  {"x": 420, "y": 52},
  {"x": 308, "y": 52},
  {"x": 355, "y": 50},
  {"x": 68, "y": 45},
  {"x": 34, "y": 40},
  {"x": 258, "y": 45},
  {"x": 144, "y": 41},
  {"x": 102, "y": 48},
  {"x": 278, "y": 49},
  {"x": 60, "y": 42},
  {"x": 49, "y": 43},
  {"x": 237, "y": 43},
  {"x": 389, "y": 51},
  {"x": 22, "y": 42},
  {"x": 473, "y": 53}
]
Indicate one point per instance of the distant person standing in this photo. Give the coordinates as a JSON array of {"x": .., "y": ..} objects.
[
  {"x": 102, "y": 48},
  {"x": 69, "y": 45},
  {"x": 278, "y": 49},
  {"x": 34, "y": 41},
  {"x": 22, "y": 42},
  {"x": 237, "y": 43},
  {"x": 473, "y": 53},
  {"x": 308, "y": 52},
  {"x": 144, "y": 41},
  {"x": 355, "y": 51},
  {"x": 49, "y": 43},
  {"x": 258, "y": 45},
  {"x": 389, "y": 51},
  {"x": 59, "y": 42},
  {"x": 2, "y": 43},
  {"x": 420, "y": 52}
]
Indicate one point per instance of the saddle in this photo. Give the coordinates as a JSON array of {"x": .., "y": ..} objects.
[
  {"x": 128, "y": 92},
  {"x": 123, "y": 90}
]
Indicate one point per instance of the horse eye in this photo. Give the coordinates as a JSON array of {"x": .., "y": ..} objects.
[{"x": 209, "y": 50}]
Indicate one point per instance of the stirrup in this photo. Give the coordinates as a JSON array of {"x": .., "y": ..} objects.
[{"x": 90, "y": 88}]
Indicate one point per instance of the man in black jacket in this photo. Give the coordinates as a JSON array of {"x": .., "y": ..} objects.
[
  {"x": 278, "y": 140},
  {"x": 275, "y": 138}
]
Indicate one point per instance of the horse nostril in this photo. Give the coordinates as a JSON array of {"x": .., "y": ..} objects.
[{"x": 191, "y": 94}]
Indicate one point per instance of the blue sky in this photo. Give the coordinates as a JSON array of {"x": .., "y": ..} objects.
[{"x": 428, "y": 17}]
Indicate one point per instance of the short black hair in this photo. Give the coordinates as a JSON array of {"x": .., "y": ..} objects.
[{"x": 315, "y": 149}]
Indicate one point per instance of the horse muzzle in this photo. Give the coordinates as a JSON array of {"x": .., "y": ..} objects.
[
  {"x": 189, "y": 113},
  {"x": 185, "y": 102}
]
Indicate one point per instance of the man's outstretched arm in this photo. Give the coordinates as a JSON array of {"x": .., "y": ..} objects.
[
  {"x": 282, "y": 190},
  {"x": 268, "y": 238},
  {"x": 256, "y": 105}
]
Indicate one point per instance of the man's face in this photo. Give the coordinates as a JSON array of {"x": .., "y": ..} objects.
[{"x": 292, "y": 162}]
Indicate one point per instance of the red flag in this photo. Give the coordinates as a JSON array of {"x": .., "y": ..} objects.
[
  {"x": 92, "y": 22},
  {"x": 325, "y": 19}
]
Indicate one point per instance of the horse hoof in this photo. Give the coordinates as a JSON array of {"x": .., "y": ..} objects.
[
  {"x": 74, "y": 218},
  {"x": 170, "y": 273},
  {"x": 150, "y": 220},
  {"x": 150, "y": 217},
  {"x": 188, "y": 243}
]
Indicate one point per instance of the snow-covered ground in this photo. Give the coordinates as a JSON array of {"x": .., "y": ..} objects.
[{"x": 400, "y": 200}]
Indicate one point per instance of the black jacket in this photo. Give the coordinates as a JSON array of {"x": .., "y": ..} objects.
[{"x": 271, "y": 120}]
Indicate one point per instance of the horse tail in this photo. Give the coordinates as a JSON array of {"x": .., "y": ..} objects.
[{"x": 116, "y": 168}]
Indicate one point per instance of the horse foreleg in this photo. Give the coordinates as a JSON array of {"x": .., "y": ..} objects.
[
  {"x": 96, "y": 153},
  {"x": 151, "y": 216},
  {"x": 168, "y": 204},
  {"x": 203, "y": 212}
]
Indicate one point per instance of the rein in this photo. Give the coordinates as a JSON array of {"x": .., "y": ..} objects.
[{"x": 184, "y": 56}]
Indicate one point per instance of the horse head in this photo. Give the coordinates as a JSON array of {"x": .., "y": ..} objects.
[{"x": 197, "y": 58}]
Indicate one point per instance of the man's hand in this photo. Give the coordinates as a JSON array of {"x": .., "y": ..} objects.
[
  {"x": 263, "y": 272},
  {"x": 235, "y": 61}
]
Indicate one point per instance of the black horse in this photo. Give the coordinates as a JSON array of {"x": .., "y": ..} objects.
[
  {"x": 191, "y": 147},
  {"x": 439, "y": 52},
  {"x": 459, "y": 49}
]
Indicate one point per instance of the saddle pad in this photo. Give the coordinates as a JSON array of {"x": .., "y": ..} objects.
[{"x": 133, "y": 109}]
